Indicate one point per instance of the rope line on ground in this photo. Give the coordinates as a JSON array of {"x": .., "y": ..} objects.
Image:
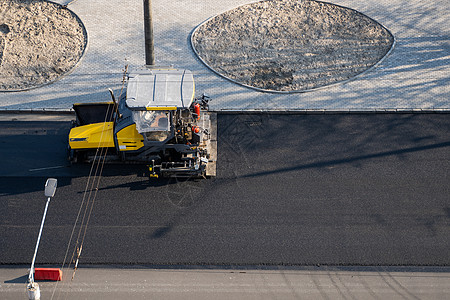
[{"x": 93, "y": 180}]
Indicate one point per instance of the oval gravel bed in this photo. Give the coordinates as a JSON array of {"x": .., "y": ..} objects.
[
  {"x": 39, "y": 42},
  {"x": 290, "y": 45}
]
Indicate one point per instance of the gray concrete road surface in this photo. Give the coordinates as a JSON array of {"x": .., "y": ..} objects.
[
  {"x": 313, "y": 283},
  {"x": 415, "y": 75},
  {"x": 350, "y": 189}
]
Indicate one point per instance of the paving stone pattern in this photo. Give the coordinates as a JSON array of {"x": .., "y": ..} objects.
[{"x": 414, "y": 76}]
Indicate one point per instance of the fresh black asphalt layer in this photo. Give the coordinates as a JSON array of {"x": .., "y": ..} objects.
[{"x": 292, "y": 189}]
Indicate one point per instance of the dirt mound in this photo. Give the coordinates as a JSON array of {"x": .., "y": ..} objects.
[
  {"x": 39, "y": 42},
  {"x": 290, "y": 45}
]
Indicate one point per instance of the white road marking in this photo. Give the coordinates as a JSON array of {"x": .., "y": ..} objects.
[{"x": 47, "y": 168}]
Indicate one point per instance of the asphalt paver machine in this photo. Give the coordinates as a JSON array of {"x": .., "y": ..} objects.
[{"x": 157, "y": 122}]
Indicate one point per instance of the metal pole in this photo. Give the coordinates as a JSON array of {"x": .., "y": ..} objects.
[
  {"x": 148, "y": 32},
  {"x": 31, "y": 276}
]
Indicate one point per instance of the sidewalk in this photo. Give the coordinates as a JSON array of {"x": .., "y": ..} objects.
[
  {"x": 312, "y": 283},
  {"x": 414, "y": 76}
]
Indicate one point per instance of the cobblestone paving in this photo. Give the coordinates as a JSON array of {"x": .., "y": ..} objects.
[{"x": 414, "y": 76}]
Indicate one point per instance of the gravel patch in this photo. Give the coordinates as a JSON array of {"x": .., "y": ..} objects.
[
  {"x": 39, "y": 42},
  {"x": 290, "y": 45}
]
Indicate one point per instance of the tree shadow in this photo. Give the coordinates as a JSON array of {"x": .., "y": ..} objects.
[{"x": 263, "y": 143}]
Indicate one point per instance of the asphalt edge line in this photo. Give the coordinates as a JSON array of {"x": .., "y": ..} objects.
[
  {"x": 40, "y": 111},
  {"x": 70, "y": 111},
  {"x": 251, "y": 267},
  {"x": 334, "y": 112}
]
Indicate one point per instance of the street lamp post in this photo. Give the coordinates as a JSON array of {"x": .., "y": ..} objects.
[
  {"x": 33, "y": 287},
  {"x": 148, "y": 33}
]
